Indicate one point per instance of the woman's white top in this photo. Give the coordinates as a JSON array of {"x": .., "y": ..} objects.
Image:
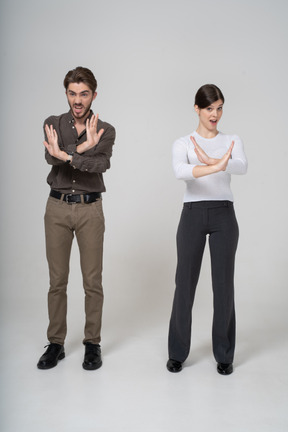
[{"x": 214, "y": 186}]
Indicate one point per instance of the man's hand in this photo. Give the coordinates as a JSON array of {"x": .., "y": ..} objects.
[
  {"x": 93, "y": 137},
  {"x": 52, "y": 144}
]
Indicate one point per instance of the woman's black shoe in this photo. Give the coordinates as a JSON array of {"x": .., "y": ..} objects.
[
  {"x": 174, "y": 365},
  {"x": 225, "y": 368}
]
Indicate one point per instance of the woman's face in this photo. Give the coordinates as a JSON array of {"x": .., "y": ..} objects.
[{"x": 210, "y": 116}]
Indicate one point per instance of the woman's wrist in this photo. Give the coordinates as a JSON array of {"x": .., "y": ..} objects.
[
  {"x": 204, "y": 170},
  {"x": 212, "y": 161}
]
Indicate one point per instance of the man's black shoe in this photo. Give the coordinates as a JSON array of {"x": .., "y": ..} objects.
[
  {"x": 51, "y": 356},
  {"x": 92, "y": 357},
  {"x": 225, "y": 368},
  {"x": 174, "y": 365}
]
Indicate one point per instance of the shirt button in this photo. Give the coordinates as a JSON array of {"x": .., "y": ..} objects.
[
  {"x": 73, "y": 190},
  {"x": 74, "y": 181}
]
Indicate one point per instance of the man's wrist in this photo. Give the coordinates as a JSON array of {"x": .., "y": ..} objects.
[
  {"x": 69, "y": 157},
  {"x": 85, "y": 146},
  {"x": 79, "y": 148}
]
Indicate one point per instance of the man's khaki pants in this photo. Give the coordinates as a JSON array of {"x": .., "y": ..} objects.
[{"x": 62, "y": 220}]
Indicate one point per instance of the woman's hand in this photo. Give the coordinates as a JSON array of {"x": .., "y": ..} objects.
[
  {"x": 222, "y": 163},
  {"x": 211, "y": 166},
  {"x": 201, "y": 155}
]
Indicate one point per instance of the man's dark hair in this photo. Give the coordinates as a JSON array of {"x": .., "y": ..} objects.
[
  {"x": 78, "y": 75},
  {"x": 207, "y": 94}
]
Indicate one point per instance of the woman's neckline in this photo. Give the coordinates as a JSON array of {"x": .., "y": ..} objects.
[{"x": 208, "y": 139}]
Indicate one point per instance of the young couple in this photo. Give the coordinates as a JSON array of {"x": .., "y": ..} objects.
[{"x": 78, "y": 146}]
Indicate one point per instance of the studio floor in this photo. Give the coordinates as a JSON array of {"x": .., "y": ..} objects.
[{"x": 133, "y": 391}]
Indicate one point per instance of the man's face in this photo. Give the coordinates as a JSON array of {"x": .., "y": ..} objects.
[{"x": 80, "y": 98}]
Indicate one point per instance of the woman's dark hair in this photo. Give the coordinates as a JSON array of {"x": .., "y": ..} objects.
[
  {"x": 207, "y": 94},
  {"x": 80, "y": 74}
]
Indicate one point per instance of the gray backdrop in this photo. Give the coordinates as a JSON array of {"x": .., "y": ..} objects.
[{"x": 149, "y": 59}]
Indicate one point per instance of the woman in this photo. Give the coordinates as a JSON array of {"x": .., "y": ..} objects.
[{"x": 205, "y": 161}]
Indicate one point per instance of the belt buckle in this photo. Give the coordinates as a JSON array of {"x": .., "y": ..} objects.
[{"x": 67, "y": 198}]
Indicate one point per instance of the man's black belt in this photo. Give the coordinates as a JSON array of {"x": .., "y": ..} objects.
[{"x": 70, "y": 198}]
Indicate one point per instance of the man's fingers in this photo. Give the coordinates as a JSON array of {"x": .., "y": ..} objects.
[
  {"x": 100, "y": 133},
  {"x": 48, "y": 130},
  {"x": 96, "y": 121},
  {"x": 92, "y": 123}
]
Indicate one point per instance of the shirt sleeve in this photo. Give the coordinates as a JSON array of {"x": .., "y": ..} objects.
[
  {"x": 97, "y": 159},
  {"x": 238, "y": 163},
  {"x": 182, "y": 168}
]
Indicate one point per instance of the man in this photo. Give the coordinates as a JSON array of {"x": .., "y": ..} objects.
[{"x": 78, "y": 146}]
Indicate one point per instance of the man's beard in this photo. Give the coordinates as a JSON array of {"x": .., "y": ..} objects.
[{"x": 81, "y": 116}]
